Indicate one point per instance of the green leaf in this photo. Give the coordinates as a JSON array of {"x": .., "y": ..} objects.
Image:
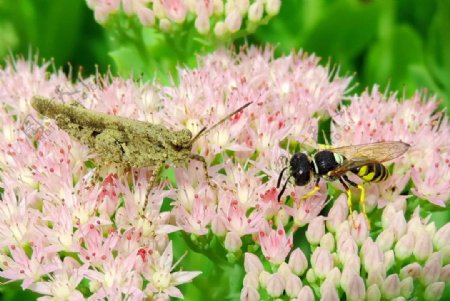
[
  {"x": 390, "y": 60},
  {"x": 344, "y": 30},
  {"x": 438, "y": 49}
]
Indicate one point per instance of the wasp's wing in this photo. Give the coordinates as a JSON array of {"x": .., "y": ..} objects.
[
  {"x": 360, "y": 155},
  {"x": 349, "y": 165},
  {"x": 378, "y": 152}
]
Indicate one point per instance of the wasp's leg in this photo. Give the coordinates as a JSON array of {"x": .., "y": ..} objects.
[
  {"x": 310, "y": 193},
  {"x": 349, "y": 198},
  {"x": 362, "y": 199},
  {"x": 205, "y": 169}
]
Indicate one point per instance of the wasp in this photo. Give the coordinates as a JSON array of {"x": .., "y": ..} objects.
[{"x": 331, "y": 164}]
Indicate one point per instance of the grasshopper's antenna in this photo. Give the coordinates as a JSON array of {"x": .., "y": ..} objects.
[{"x": 206, "y": 130}]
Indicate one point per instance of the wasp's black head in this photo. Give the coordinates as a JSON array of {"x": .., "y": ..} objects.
[{"x": 300, "y": 169}]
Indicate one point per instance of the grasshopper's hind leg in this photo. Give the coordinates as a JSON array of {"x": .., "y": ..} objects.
[{"x": 153, "y": 181}]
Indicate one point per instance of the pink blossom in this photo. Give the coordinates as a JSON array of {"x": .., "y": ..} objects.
[
  {"x": 162, "y": 279},
  {"x": 275, "y": 244},
  {"x": 63, "y": 281}
]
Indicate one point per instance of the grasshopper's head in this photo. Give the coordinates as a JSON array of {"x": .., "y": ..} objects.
[{"x": 182, "y": 139}]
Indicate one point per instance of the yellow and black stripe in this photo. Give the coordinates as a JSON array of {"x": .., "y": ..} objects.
[{"x": 373, "y": 172}]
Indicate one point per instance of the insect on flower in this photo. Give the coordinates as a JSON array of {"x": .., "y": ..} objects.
[
  {"x": 123, "y": 141},
  {"x": 364, "y": 160}
]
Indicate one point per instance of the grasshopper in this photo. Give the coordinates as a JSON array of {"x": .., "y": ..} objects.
[{"x": 127, "y": 142}]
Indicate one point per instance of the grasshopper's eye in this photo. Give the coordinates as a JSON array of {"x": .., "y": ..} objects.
[{"x": 186, "y": 133}]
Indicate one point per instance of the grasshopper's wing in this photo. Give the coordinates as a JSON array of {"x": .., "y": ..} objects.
[{"x": 360, "y": 155}]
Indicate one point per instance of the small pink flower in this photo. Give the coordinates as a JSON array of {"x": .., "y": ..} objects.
[
  {"x": 63, "y": 282},
  {"x": 275, "y": 244},
  {"x": 103, "y": 8},
  {"x": 162, "y": 279},
  {"x": 29, "y": 270}
]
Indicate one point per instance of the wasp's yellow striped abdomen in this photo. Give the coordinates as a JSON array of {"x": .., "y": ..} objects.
[{"x": 373, "y": 172}]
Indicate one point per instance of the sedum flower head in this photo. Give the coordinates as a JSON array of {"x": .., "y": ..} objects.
[
  {"x": 222, "y": 18},
  {"x": 54, "y": 202}
]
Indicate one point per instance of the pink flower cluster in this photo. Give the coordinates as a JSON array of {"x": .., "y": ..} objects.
[
  {"x": 61, "y": 225},
  {"x": 221, "y": 17},
  {"x": 409, "y": 259}
]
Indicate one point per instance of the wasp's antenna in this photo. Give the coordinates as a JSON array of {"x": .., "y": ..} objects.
[
  {"x": 280, "y": 177},
  {"x": 206, "y": 130},
  {"x": 283, "y": 189}
]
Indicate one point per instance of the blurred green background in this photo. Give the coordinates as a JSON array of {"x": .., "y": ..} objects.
[{"x": 401, "y": 45}]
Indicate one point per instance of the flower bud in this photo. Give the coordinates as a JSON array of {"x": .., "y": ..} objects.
[
  {"x": 146, "y": 17},
  {"x": 404, "y": 247},
  {"x": 388, "y": 216},
  {"x": 233, "y": 21},
  {"x": 347, "y": 274},
  {"x": 373, "y": 293},
  {"x": 202, "y": 23},
  {"x": 275, "y": 285},
  {"x": 431, "y": 229},
  {"x": 327, "y": 241},
  {"x": 293, "y": 285},
  {"x": 434, "y": 291},
  {"x": 263, "y": 278},
  {"x": 334, "y": 276},
  {"x": 322, "y": 262},
  {"x": 251, "y": 279},
  {"x": 432, "y": 269},
  {"x": 273, "y": 7},
  {"x": 282, "y": 217},
  {"x": 389, "y": 259},
  {"x": 298, "y": 262},
  {"x": 233, "y": 242},
  {"x": 306, "y": 294},
  {"x": 445, "y": 274},
  {"x": 165, "y": 25},
  {"x": 391, "y": 286},
  {"x": 343, "y": 230},
  {"x": 284, "y": 270},
  {"x": 347, "y": 248},
  {"x": 399, "y": 225},
  {"x": 423, "y": 246},
  {"x": 376, "y": 276},
  {"x": 338, "y": 213},
  {"x": 328, "y": 292},
  {"x": 411, "y": 270},
  {"x": 356, "y": 289},
  {"x": 361, "y": 231},
  {"x": 415, "y": 223},
  {"x": 256, "y": 11},
  {"x": 311, "y": 277},
  {"x": 220, "y": 29},
  {"x": 442, "y": 237},
  {"x": 407, "y": 287},
  {"x": 385, "y": 240},
  {"x": 372, "y": 256},
  {"x": 218, "y": 226},
  {"x": 252, "y": 263},
  {"x": 316, "y": 229},
  {"x": 353, "y": 262},
  {"x": 249, "y": 293}
]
